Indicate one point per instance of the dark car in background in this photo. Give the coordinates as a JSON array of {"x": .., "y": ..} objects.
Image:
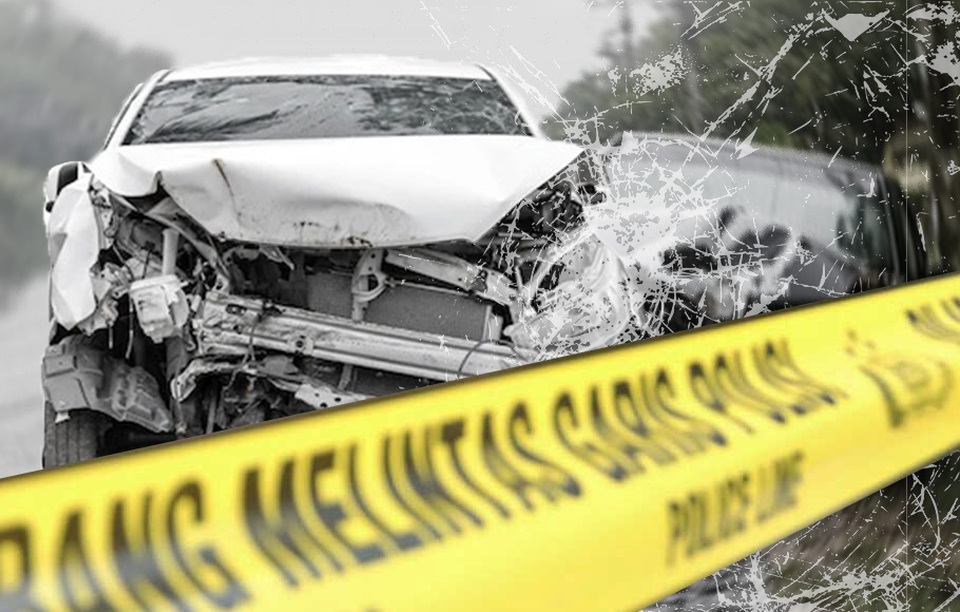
[{"x": 721, "y": 230}]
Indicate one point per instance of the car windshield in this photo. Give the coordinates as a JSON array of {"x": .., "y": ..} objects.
[{"x": 282, "y": 108}]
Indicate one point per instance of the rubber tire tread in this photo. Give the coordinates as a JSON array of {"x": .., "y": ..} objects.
[{"x": 71, "y": 441}]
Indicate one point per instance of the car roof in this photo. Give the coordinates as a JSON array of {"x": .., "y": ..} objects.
[
  {"x": 380, "y": 65},
  {"x": 726, "y": 151}
]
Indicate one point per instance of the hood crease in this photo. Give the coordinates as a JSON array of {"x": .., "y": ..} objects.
[{"x": 342, "y": 192}]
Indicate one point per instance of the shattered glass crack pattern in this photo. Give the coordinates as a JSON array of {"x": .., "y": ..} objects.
[{"x": 864, "y": 95}]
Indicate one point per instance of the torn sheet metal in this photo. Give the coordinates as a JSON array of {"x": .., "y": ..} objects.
[
  {"x": 74, "y": 240},
  {"x": 336, "y": 193},
  {"x": 279, "y": 370},
  {"x": 79, "y": 376},
  {"x": 319, "y": 395},
  {"x": 592, "y": 303}
]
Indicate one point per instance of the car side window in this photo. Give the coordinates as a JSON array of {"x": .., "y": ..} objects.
[
  {"x": 835, "y": 208},
  {"x": 758, "y": 201}
]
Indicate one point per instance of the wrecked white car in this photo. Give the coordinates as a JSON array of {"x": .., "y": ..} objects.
[{"x": 266, "y": 238}]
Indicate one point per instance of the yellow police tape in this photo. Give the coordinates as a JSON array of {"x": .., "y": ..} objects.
[{"x": 599, "y": 482}]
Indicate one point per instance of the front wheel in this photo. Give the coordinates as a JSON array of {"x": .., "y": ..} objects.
[{"x": 73, "y": 440}]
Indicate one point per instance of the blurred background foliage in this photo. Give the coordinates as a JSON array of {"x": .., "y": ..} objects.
[
  {"x": 804, "y": 84},
  {"x": 835, "y": 76},
  {"x": 60, "y": 87}
]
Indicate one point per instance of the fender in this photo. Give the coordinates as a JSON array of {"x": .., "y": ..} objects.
[{"x": 79, "y": 376}]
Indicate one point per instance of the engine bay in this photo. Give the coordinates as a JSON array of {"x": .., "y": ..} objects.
[{"x": 234, "y": 333}]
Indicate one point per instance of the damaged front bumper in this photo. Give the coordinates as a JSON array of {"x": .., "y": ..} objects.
[
  {"x": 232, "y": 325},
  {"x": 78, "y": 375},
  {"x": 189, "y": 332}
]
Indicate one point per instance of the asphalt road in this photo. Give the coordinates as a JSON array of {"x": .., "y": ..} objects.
[{"x": 23, "y": 331}]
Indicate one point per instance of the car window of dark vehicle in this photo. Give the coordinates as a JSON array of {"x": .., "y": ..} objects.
[
  {"x": 758, "y": 200},
  {"x": 281, "y": 108},
  {"x": 835, "y": 207}
]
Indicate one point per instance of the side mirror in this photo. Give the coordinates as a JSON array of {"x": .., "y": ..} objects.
[{"x": 59, "y": 177}]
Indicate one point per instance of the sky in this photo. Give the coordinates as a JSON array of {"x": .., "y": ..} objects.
[{"x": 549, "y": 41}]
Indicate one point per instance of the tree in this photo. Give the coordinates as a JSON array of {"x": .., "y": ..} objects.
[
  {"x": 60, "y": 87},
  {"x": 845, "y": 78},
  {"x": 784, "y": 69}
]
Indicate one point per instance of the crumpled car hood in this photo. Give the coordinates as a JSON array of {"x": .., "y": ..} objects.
[{"x": 342, "y": 192}]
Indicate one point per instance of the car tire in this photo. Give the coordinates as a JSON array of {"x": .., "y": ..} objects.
[{"x": 71, "y": 441}]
